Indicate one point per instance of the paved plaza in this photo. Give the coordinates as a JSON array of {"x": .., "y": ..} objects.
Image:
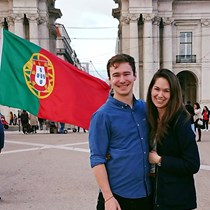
[{"x": 51, "y": 172}]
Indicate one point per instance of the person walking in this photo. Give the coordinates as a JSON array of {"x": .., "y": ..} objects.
[
  {"x": 62, "y": 127},
  {"x": 205, "y": 114},
  {"x": 198, "y": 116},
  {"x": 11, "y": 118},
  {"x": 33, "y": 122},
  {"x": 24, "y": 118},
  {"x": 190, "y": 109},
  {"x": 118, "y": 140},
  {"x": 78, "y": 129},
  {"x": 15, "y": 119},
  {"x": 174, "y": 150},
  {"x": 1, "y": 137},
  {"x": 41, "y": 123}
]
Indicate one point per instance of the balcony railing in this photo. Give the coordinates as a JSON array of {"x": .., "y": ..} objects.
[{"x": 186, "y": 59}]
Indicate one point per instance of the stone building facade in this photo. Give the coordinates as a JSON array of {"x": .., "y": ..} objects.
[
  {"x": 173, "y": 34},
  {"x": 63, "y": 47},
  {"x": 35, "y": 20}
]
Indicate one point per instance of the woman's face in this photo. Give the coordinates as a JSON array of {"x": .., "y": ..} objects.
[{"x": 160, "y": 94}]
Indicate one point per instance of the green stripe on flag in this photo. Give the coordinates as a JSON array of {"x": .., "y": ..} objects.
[{"x": 13, "y": 89}]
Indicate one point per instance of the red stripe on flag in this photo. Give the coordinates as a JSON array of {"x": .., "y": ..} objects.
[{"x": 76, "y": 94}]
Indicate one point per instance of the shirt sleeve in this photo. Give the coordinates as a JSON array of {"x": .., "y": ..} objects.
[{"x": 98, "y": 139}]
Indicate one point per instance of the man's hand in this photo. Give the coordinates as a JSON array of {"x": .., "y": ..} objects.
[{"x": 112, "y": 204}]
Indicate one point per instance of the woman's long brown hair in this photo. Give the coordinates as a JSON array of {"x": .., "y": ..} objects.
[{"x": 159, "y": 128}]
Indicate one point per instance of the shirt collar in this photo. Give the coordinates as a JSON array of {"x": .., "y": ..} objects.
[{"x": 120, "y": 103}]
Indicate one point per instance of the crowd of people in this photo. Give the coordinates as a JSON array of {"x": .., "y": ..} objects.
[
  {"x": 199, "y": 118},
  {"x": 30, "y": 123}
]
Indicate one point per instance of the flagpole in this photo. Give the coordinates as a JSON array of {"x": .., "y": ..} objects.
[{"x": 1, "y": 46}]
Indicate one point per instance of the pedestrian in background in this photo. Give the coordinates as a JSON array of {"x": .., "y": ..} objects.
[
  {"x": 118, "y": 139},
  {"x": 205, "y": 114},
  {"x": 62, "y": 127},
  {"x": 78, "y": 129},
  {"x": 41, "y": 123},
  {"x": 15, "y": 119},
  {"x": 19, "y": 119},
  {"x": 190, "y": 109},
  {"x": 33, "y": 122},
  {"x": 24, "y": 118},
  {"x": 198, "y": 116},
  {"x": 11, "y": 118},
  {"x": 174, "y": 149}
]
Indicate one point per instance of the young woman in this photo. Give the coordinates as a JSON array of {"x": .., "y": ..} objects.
[
  {"x": 174, "y": 149},
  {"x": 197, "y": 116}
]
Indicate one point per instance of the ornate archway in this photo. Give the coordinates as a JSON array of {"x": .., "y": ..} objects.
[{"x": 188, "y": 84}]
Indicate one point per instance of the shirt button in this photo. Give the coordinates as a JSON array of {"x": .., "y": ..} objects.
[{"x": 137, "y": 124}]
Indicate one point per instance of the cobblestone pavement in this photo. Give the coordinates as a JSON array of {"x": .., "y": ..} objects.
[{"x": 51, "y": 172}]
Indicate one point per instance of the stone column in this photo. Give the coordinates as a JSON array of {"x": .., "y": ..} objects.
[
  {"x": 18, "y": 24},
  {"x": 33, "y": 28},
  {"x": 44, "y": 33},
  {"x": 124, "y": 21},
  {"x": 1, "y": 25},
  {"x": 148, "y": 61},
  {"x": 167, "y": 43},
  {"x": 156, "y": 43},
  {"x": 134, "y": 49},
  {"x": 205, "y": 63},
  {"x": 10, "y": 22},
  {"x": 53, "y": 35}
]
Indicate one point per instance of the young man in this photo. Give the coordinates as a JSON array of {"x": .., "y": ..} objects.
[{"x": 118, "y": 139}]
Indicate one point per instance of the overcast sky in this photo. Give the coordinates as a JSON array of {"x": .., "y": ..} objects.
[{"x": 92, "y": 29}]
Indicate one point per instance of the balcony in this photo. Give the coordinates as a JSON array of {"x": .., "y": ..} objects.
[{"x": 185, "y": 58}]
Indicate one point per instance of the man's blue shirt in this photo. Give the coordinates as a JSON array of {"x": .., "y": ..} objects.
[{"x": 118, "y": 138}]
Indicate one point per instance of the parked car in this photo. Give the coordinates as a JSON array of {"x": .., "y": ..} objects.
[{"x": 4, "y": 122}]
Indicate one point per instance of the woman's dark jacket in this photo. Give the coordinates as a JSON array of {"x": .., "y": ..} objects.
[{"x": 180, "y": 160}]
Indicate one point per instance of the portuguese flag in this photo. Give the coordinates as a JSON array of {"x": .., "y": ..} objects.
[{"x": 39, "y": 82}]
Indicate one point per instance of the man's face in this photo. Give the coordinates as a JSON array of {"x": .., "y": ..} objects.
[{"x": 122, "y": 80}]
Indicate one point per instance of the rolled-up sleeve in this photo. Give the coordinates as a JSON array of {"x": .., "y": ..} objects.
[{"x": 98, "y": 139}]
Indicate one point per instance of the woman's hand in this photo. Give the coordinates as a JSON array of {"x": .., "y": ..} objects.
[{"x": 154, "y": 158}]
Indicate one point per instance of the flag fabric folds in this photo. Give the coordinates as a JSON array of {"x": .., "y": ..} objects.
[{"x": 33, "y": 79}]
